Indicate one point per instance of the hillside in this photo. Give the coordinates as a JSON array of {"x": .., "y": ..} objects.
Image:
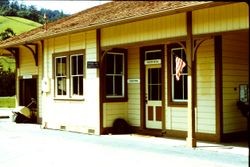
[
  {"x": 17, "y": 24},
  {"x": 7, "y": 62}
]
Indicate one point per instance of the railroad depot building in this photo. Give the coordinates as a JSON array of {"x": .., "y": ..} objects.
[{"x": 117, "y": 60}]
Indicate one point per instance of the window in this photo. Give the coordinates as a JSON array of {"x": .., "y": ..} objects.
[
  {"x": 61, "y": 75},
  {"x": 115, "y": 74},
  {"x": 76, "y": 78},
  {"x": 69, "y": 74},
  {"x": 178, "y": 89}
]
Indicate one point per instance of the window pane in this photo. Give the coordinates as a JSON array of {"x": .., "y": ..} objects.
[
  {"x": 80, "y": 64},
  {"x": 61, "y": 66},
  {"x": 81, "y": 85},
  {"x": 155, "y": 92},
  {"x": 118, "y": 85},
  {"x": 77, "y": 85},
  {"x": 77, "y": 65},
  {"x": 61, "y": 86},
  {"x": 154, "y": 84},
  {"x": 153, "y": 55},
  {"x": 185, "y": 87},
  {"x": 110, "y": 64},
  {"x": 119, "y": 64},
  {"x": 109, "y": 85},
  {"x": 73, "y": 65}
]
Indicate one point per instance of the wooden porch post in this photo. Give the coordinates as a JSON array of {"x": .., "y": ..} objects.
[{"x": 191, "y": 140}]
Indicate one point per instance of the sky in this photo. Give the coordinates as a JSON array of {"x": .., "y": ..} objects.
[{"x": 67, "y": 6}]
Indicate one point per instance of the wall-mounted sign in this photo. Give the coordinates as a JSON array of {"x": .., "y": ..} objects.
[
  {"x": 92, "y": 64},
  {"x": 133, "y": 81},
  {"x": 27, "y": 76},
  {"x": 154, "y": 61}
]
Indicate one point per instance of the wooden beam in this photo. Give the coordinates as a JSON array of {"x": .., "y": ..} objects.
[
  {"x": 218, "y": 87},
  {"x": 191, "y": 140},
  {"x": 15, "y": 53}
]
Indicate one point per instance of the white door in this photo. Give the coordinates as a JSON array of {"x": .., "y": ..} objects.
[{"x": 153, "y": 87}]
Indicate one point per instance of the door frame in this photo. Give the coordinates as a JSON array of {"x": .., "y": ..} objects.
[{"x": 143, "y": 89}]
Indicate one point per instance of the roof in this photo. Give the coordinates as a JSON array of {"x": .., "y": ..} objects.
[{"x": 108, "y": 14}]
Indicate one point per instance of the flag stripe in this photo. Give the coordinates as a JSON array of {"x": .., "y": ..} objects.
[{"x": 180, "y": 64}]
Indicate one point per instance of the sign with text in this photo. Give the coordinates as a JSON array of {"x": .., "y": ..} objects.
[
  {"x": 92, "y": 64},
  {"x": 151, "y": 62},
  {"x": 133, "y": 81}
]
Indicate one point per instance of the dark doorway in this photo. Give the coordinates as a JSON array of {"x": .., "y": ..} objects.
[{"x": 28, "y": 92}]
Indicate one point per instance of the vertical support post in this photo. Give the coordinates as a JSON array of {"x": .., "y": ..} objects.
[
  {"x": 248, "y": 118},
  {"x": 99, "y": 74},
  {"x": 191, "y": 140}
]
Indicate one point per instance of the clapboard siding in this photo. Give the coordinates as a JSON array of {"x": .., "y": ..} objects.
[
  {"x": 79, "y": 116},
  {"x": 134, "y": 88},
  {"x": 130, "y": 110},
  {"x": 176, "y": 118},
  {"x": 235, "y": 72},
  {"x": 111, "y": 111},
  {"x": 27, "y": 63},
  {"x": 222, "y": 18},
  {"x": 151, "y": 29},
  {"x": 205, "y": 113}
]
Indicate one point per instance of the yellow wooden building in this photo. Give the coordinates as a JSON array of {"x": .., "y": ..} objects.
[{"x": 117, "y": 60}]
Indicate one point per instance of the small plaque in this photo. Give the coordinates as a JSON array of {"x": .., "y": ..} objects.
[
  {"x": 27, "y": 76},
  {"x": 135, "y": 81},
  {"x": 92, "y": 64}
]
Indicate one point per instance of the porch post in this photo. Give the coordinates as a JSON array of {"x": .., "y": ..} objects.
[{"x": 191, "y": 140}]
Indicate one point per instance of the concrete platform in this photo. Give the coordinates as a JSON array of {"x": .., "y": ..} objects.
[{"x": 29, "y": 145}]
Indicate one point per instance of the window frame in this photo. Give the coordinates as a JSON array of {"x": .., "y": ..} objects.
[
  {"x": 76, "y": 75},
  {"x": 174, "y": 102},
  {"x": 69, "y": 82},
  {"x": 124, "y": 97}
]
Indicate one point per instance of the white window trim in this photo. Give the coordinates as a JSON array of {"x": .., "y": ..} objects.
[
  {"x": 71, "y": 78},
  {"x": 173, "y": 77},
  {"x": 69, "y": 91},
  {"x": 122, "y": 74}
]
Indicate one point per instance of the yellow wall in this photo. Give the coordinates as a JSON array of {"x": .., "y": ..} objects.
[
  {"x": 134, "y": 88},
  {"x": 206, "y": 109},
  {"x": 235, "y": 71},
  {"x": 221, "y": 18},
  {"x": 27, "y": 63},
  {"x": 151, "y": 29},
  {"x": 111, "y": 111},
  {"x": 74, "y": 115},
  {"x": 130, "y": 110},
  {"x": 176, "y": 117}
]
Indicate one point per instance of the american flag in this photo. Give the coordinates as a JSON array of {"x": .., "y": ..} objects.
[{"x": 180, "y": 64}]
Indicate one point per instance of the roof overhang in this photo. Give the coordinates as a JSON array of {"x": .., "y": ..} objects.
[{"x": 43, "y": 34}]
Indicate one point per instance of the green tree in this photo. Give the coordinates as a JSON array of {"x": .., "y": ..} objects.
[
  {"x": 8, "y": 32},
  {"x": 7, "y": 82},
  {"x": 4, "y": 5}
]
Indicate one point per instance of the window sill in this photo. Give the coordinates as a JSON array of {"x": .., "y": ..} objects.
[{"x": 68, "y": 99}]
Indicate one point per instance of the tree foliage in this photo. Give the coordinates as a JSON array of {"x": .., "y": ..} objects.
[
  {"x": 6, "y": 34},
  {"x": 7, "y": 82},
  {"x": 13, "y": 8}
]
